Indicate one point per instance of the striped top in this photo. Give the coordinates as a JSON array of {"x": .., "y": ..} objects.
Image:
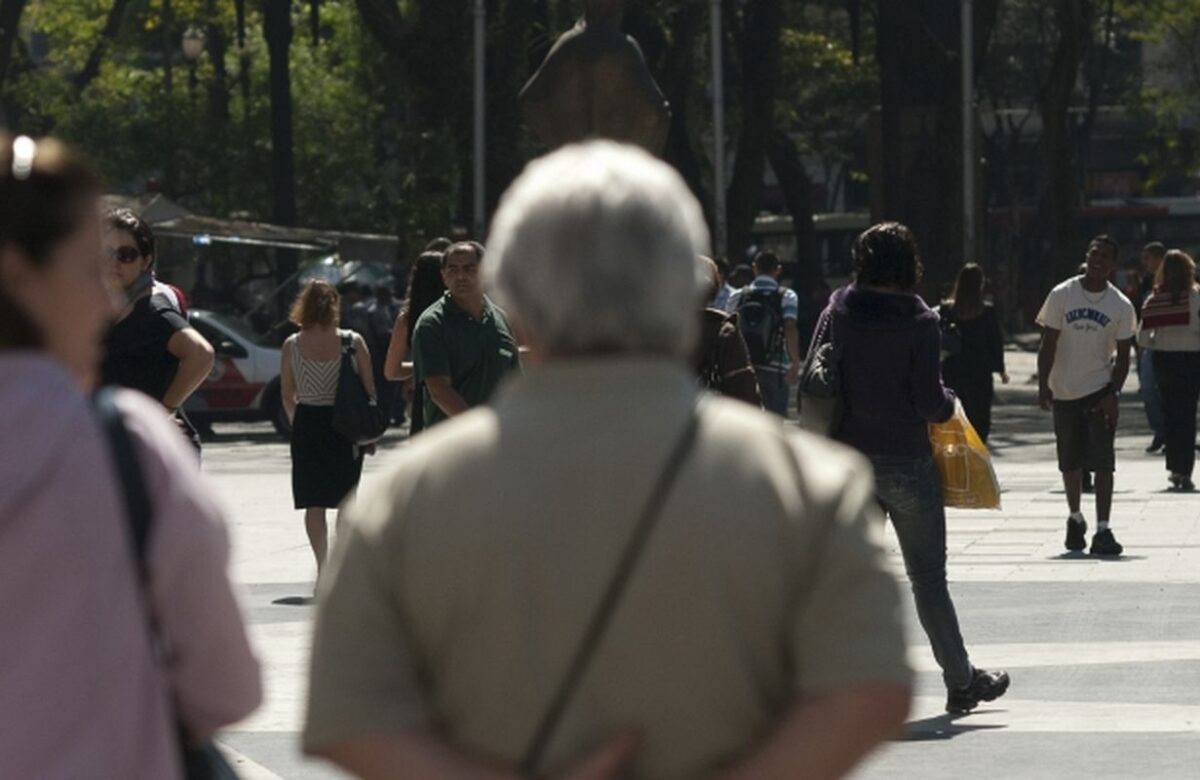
[{"x": 316, "y": 380}]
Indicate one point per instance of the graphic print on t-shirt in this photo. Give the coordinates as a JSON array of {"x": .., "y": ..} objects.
[{"x": 1089, "y": 326}]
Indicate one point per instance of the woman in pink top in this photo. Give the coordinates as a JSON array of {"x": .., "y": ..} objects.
[{"x": 83, "y": 690}]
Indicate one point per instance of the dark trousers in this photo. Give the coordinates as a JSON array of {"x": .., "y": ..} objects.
[
  {"x": 1178, "y": 375},
  {"x": 975, "y": 392}
]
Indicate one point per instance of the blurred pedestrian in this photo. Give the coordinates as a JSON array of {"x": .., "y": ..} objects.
[
  {"x": 1087, "y": 332},
  {"x": 1152, "y": 397},
  {"x": 425, "y": 288},
  {"x": 891, "y": 379},
  {"x": 735, "y": 554},
  {"x": 87, "y": 688},
  {"x": 1170, "y": 331},
  {"x": 767, "y": 314},
  {"x": 721, "y": 360},
  {"x": 326, "y": 466},
  {"x": 980, "y": 354},
  {"x": 720, "y": 299},
  {"x": 381, "y": 317},
  {"x": 462, "y": 344},
  {"x": 150, "y": 347},
  {"x": 353, "y": 306}
]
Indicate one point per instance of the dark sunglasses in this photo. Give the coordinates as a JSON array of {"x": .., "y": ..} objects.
[{"x": 125, "y": 254}]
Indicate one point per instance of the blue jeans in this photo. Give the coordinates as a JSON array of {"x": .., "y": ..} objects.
[
  {"x": 910, "y": 491},
  {"x": 1152, "y": 400},
  {"x": 774, "y": 390}
]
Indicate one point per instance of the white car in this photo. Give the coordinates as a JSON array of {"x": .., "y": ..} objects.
[{"x": 244, "y": 382}]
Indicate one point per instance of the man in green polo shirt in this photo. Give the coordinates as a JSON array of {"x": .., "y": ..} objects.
[{"x": 462, "y": 345}]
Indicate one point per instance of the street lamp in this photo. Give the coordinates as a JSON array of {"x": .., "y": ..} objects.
[{"x": 193, "y": 50}]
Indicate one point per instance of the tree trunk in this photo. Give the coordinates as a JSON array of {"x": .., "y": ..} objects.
[
  {"x": 679, "y": 85},
  {"x": 797, "y": 192},
  {"x": 112, "y": 26},
  {"x": 763, "y": 20},
  {"x": 277, "y": 28},
  {"x": 917, "y": 149},
  {"x": 168, "y": 43},
  {"x": 1060, "y": 190},
  {"x": 218, "y": 88},
  {"x": 10, "y": 21}
]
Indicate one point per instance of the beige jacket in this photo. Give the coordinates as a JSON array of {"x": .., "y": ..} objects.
[{"x": 470, "y": 573}]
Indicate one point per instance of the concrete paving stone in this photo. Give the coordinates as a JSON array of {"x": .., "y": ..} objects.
[{"x": 1105, "y": 654}]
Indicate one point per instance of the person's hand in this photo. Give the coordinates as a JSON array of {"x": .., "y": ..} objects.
[
  {"x": 1045, "y": 398},
  {"x": 605, "y": 762},
  {"x": 1004, "y": 377},
  {"x": 793, "y": 374},
  {"x": 1108, "y": 407}
]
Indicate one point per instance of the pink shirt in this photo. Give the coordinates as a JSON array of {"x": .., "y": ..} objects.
[{"x": 81, "y": 691}]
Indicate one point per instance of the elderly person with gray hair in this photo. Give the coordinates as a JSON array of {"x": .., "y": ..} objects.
[{"x": 604, "y": 573}]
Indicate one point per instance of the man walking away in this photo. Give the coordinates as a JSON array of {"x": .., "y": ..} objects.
[
  {"x": 767, "y": 315},
  {"x": 462, "y": 345},
  {"x": 754, "y": 632},
  {"x": 1087, "y": 331}
]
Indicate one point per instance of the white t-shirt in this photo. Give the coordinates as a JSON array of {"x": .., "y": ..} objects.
[{"x": 1089, "y": 326}]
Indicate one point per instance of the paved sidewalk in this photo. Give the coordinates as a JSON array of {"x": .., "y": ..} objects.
[{"x": 1104, "y": 654}]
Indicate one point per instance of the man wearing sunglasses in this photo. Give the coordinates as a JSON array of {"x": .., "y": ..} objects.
[{"x": 150, "y": 347}]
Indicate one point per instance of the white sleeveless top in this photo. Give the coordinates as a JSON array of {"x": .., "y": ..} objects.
[{"x": 317, "y": 380}]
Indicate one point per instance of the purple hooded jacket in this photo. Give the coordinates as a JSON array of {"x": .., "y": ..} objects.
[{"x": 891, "y": 370}]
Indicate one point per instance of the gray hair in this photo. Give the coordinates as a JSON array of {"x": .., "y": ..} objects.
[{"x": 594, "y": 250}]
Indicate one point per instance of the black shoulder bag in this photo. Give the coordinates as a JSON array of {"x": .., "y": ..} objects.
[
  {"x": 355, "y": 415},
  {"x": 200, "y": 761},
  {"x": 820, "y": 396},
  {"x": 609, "y": 600}
]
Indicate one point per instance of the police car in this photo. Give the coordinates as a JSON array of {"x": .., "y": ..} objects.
[{"x": 244, "y": 382}]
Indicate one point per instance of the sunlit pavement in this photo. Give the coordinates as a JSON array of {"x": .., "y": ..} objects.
[{"x": 1104, "y": 654}]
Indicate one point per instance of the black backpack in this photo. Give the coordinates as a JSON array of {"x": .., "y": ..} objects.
[{"x": 760, "y": 317}]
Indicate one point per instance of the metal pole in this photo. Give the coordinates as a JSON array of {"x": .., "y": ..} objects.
[
  {"x": 480, "y": 217},
  {"x": 968, "y": 129},
  {"x": 718, "y": 98}
]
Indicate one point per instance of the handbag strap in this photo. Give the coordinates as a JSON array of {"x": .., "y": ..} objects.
[
  {"x": 138, "y": 512},
  {"x": 611, "y": 598}
]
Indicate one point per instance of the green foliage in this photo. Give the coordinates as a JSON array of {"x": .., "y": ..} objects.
[{"x": 356, "y": 166}]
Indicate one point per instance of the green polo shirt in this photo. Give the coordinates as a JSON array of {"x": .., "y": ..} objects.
[{"x": 475, "y": 354}]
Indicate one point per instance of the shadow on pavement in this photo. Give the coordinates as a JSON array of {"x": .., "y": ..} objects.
[
  {"x": 1083, "y": 557},
  {"x": 294, "y": 601},
  {"x": 941, "y": 727}
]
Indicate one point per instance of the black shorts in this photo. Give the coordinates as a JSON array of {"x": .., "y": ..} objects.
[{"x": 1085, "y": 439}]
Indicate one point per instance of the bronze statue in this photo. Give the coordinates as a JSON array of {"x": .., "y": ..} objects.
[{"x": 595, "y": 83}]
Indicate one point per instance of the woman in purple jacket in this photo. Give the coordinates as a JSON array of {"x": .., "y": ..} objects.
[{"x": 892, "y": 387}]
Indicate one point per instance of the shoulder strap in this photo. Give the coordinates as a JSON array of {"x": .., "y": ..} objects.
[
  {"x": 137, "y": 500},
  {"x": 348, "y": 342},
  {"x": 611, "y": 597}
]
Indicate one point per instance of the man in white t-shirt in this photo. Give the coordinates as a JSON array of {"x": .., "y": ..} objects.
[{"x": 1087, "y": 331}]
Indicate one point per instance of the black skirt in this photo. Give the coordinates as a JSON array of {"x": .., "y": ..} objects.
[{"x": 325, "y": 465}]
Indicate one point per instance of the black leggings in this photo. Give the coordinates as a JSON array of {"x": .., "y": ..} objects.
[{"x": 1178, "y": 376}]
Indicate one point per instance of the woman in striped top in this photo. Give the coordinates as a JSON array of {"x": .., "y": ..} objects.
[
  {"x": 325, "y": 465},
  {"x": 1171, "y": 329}
]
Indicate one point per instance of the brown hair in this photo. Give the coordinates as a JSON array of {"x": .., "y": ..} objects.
[
  {"x": 1176, "y": 275},
  {"x": 44, "y": 197},
  {"x": 317, "y": 304},
  {"x": 968, "y": 290}
]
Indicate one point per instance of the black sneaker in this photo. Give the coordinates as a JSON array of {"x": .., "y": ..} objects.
[
  {"x": 1104, "y": 543},
  {"x": 1076, "y": 530},
  {"x": 985, "y": 686}
]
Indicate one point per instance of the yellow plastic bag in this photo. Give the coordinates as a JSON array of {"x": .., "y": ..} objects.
[{"x": 968, "y": 479}]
